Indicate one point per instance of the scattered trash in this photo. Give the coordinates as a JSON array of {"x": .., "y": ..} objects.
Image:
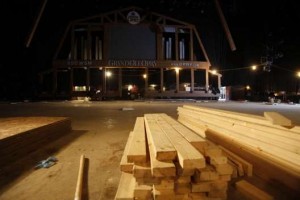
[
  {"x": 46, "y": 163},
  {"x": 125, "y": 109}
]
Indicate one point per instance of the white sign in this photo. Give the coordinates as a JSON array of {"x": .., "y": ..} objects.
[{"x": 133, "y": 17}]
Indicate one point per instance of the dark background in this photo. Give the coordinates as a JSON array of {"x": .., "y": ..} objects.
[{"x": 259, "y": 28}]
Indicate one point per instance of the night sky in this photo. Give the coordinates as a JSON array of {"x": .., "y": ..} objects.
[{"x": 258, "y": 27}]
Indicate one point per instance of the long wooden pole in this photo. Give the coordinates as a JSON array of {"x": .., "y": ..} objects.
[
  {"x": 36, "y": 24},
  {"x": 225, "y": 26},
  {"x": 78, "y": 191}
]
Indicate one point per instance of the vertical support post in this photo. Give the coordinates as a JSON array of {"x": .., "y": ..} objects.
[
  {"x": 88, "y": 79},
  {"x": 54, "y": 89},
  {"x": 206, "y": 79},
  {"x": 78, "y": 191},
  {"x": 159, "y": 46},
  {"x": 89, "y": 44},
  {"x": 120, "y": 82},
  {"x": 73, "y": 45},
  {"x": 161, "y": 79},
  {"x": 71, "y": 80},
  {"x": 146, "y": 79},
  {"x": 219, "y": 81},
  {"x": 191, "y": 45},
  {"x": 177, "y": 80},
  {"x": 176, "y": 43},
  {"x": 104, "y": 81},
  {"x": 192, "y": 79}
]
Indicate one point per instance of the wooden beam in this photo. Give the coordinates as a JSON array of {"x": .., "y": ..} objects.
[
  {"x": 252, "y": 192},
  {"x": 278, "y": 119},
  {"x": 276, "y": 173},
  {"x": 124, "y": 164},
  {"x": 126, "y": 187},
  {"x": 225, "y": 26},
  {"x": 78, "y": 192},
  {"x": 187, "y": 155},
  {"x": 163, "y": 148},
  {"x": 137, "y": 149}
]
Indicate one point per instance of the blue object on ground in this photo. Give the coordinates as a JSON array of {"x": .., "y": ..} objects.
[{"x": 46, "y": 163}]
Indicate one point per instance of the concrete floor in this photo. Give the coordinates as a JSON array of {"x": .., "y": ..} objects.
[{"x": 100, "y": 131}]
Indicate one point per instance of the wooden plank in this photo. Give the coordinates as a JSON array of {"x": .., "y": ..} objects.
[
  {"x": 197, "y": 141},
  {"x": 282, "y": 155},
  {"x": 188, "y": 156},
  {"x": 251, "y": 191},
  {"x": 254, "y": 120},
  {"x": 159, "y": 168},
  {"x": 278, "y": 119},
  {"x": 287, "y": 140},
  {"x": 276, "y": 172},
  {"x": 162, "y": 147},
  {"x": 248, "y": 168},
  {"x": 200, "y": 130},
  {"x": 125, "y": 166},
  {"x": 126, "y": 187},
  {"x": 78, "y": 191},
  {"x": 142, "y": 191},
  {"x": 137, "y": 148}
]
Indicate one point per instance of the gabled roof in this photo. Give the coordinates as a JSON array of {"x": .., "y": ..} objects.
[{"x": 119, "y": 16}]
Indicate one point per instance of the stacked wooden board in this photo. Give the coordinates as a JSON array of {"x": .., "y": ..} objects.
[
  {"x": 163, "y": 159},
  {"x": 20, "y": 136},
  {"x": 270, "y": 143}
]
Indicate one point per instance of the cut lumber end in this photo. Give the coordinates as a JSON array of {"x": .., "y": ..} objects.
[
  {"x": 277, "y": 119},
  {"x": 251, "y": 191}
]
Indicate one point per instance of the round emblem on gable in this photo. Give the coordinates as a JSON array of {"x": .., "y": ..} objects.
[{"x": 133, "y": 17}]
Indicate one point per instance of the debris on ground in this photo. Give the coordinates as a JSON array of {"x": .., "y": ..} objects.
[{"x": 46, "y": 163}]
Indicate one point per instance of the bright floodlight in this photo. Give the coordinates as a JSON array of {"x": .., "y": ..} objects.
[
  {"x": 144, "y": 76},
  {"x": 248, "y": 87},
  {"x": 254, "y": 67},
  {"x": 298, "y": 74},
  {"x": 108, "y": 74},
  {"x": 214, "y": 71}
]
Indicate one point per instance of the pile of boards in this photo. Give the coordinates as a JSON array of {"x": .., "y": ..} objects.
[
  {"x": 163, "y": 159},
  {"x": 271, "y": 143}
]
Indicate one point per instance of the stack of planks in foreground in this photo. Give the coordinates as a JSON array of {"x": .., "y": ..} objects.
[
  {"x": 270, "y": 143},
  {"x": 163, "y": 159}
]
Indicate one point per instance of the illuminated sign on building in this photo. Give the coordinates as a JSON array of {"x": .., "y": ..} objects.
[{"x": 133, "y": 17}]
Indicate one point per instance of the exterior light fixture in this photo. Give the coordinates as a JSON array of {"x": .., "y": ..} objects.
[
  {"x": 108, "y": 74},
  {"x": 254, "y": 67},
  {"x": 248, "y": 87},
  {"x": 144, "y": 76},
  {"x": 298, "y": 74},
  {"x": 177, "y": 70},
  {"x": 214, "y": 71}
]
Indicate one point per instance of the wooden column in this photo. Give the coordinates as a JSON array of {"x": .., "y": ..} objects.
[
  {"x": 177, "y": 80},
  {"x": 192, "y": 79},
  {"x": 54, "y": 87},
  {"x": 73, "y": 45},
  {"x": 146, "y": 79},
  {"x": 120, "y": 82},
  {"x": 71, "y": 80},
  {"x": 104, "y": 81},
  {"x": 219, "y": 81},
  {"x": 161, "y": 79},
  {"x": 105, "y": 42},
  {"x": 206, "y": 79},
  {"x": 89, "y": 44},
  {"x": 87, "y": 79},
  {"x": 159, "y": 47},
  {"x": 191, "y": 45},
  {"x": 176, "y": 44}
]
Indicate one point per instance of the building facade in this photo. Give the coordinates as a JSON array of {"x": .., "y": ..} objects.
[{"x": 131, "y": 53}]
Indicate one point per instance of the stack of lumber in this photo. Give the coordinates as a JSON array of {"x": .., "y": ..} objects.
[
  {"x": 20, "y": 136},
  {"x": 163, "y": 159},
  {"x": 270, "y": 142}
]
